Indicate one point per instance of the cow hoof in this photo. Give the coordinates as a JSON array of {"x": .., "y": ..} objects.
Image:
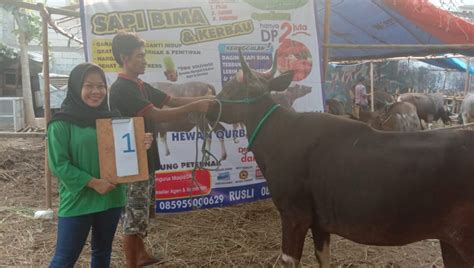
[{"x": 288, "y": 261}]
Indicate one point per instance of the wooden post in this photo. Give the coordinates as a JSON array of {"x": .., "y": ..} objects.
[
  {"x": 372, "y": 106},
  {"x": 47, "y": 112},
  {"x": 327, "y": 29},
  {"x": 445, "y": 78},
  {"x": 467, "y": 87}
]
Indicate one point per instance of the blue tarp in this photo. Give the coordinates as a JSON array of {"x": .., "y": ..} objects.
[
  {"x": 451, "y": 63},
  {"x": 391, "y": 22}
]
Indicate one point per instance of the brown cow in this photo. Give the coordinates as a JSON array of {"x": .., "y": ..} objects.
[
  {"x": 335, "y": 107},
  {"x": 188, "y": 89},
  {"x": 382, "y": 100},
  {"x": 418, "y": 186},
  {"x": 400, "y": 116}
]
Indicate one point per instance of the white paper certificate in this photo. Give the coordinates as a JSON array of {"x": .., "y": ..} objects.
[{"x": 126, "y": 159}]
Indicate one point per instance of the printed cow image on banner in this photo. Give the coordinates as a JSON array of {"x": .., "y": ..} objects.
[{"x": 192, "y": 49}]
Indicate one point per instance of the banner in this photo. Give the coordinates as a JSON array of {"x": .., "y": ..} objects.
[{"x": 192, "y": 49}]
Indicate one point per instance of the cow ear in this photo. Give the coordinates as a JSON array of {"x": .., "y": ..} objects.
[{"x": 281, "y": 82}]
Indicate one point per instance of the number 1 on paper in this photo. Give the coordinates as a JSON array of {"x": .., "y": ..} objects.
[{"x": 126, "y": 158}]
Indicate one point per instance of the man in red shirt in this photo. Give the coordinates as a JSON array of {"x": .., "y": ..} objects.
[{"x": 133, "y": 97}]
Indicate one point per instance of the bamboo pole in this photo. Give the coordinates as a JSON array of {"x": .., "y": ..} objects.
[
  {"x": 47, "y": 112},
  {"x": 399, "y": 46},
  {"x": 431, "y": 57},
  {"x": 372, "y": 105},
  {"x": 467, "y": 84},
  {"x": 327, "y": 29}
]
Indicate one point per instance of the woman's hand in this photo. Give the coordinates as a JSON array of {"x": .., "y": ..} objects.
[
  {"x": 102, "y": 186},
  {"x": 148, "y": 140}
]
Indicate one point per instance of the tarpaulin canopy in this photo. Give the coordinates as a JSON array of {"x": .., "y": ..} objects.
[
  {"x": 451, "y": 63},
  {"x": 387, "y": 22}
]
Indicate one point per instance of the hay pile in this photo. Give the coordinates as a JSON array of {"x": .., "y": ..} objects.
[{"x": 246, "y": 235}]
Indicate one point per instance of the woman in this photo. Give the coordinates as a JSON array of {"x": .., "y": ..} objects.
[{"x": 85, "y": 201}]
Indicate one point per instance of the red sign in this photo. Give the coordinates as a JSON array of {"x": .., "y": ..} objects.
[{"x": 180, "y": 184}]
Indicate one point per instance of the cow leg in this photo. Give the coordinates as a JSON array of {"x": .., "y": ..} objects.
[
  {"x": 465, "y": 248},
  {"x": 223, "y": 150},
  {"x": 451, "y": 257},
  {"x": 220, "y": 127},
  {"x": 430, "y": 121},
  {"x": 440, "y": 121},
  {"x": 423, "y": 124},
  {"x": 207, "y": 149},
  {"x": 321, "y": 241},
  {"x": 465, "y": 119},
  {"x": 294, "y": 231},
  {"x": 164, "y": 140},
  {"x": 208, "y": 140},
  {"x": 234, "y": 127}
]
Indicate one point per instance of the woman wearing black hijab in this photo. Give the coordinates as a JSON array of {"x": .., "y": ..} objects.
[{"x": 85, "y": 201}]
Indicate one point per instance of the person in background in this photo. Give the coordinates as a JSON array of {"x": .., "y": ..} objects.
[
  {"x": 134, "y": 97},
  {"x": 361, "y": 98},
  {"x": 86, "y": 201}
]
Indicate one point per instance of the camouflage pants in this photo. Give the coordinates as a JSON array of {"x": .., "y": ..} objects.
[{"x": 140, "y": 196}]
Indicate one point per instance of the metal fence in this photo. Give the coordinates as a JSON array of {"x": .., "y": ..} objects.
[{"x": 11, "y": 114}]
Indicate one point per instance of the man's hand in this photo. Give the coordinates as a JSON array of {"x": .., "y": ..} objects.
[
  {"x": 102, "y": 186},
  {"x": 148, "y": 140},
  {"x": 181, "y": 101},
  {"x": 179, "y": 113},
  {"x": 202, "y": 106}
]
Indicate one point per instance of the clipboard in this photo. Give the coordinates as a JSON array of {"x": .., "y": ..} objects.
[{"x": 108, "y": 149}]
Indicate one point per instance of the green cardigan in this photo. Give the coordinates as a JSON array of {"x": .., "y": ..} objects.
[{"x": 73, "y": 158}]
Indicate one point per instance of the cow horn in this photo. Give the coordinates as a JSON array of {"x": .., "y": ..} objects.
[
  {"x": 271, "y": 73},
  {"x": 247, "y": 73}
]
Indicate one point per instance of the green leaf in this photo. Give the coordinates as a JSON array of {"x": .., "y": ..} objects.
[{"x": 28, "y": 22}]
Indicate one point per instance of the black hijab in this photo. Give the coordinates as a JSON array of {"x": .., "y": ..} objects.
[{"x": 73, "y": 108}]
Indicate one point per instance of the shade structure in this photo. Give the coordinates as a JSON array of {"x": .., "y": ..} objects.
[
  {"x": 451, "y": 63},
  {"x": 388, "y": 22}
]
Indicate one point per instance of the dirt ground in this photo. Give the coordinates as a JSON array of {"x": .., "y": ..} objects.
[{"x": 246, "y": 235}]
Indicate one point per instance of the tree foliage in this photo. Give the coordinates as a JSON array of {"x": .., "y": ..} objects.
[
  {"x": 29, "y": 28},
  {"x": 7, "y": 55},
  {"x": 28, "y": 22}
]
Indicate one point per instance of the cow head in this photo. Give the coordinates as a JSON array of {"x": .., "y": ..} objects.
[
  {"x": 444, "y": 114},
  {"x": 298, "y": 91},
  {"x": 245, "y": 90}
]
